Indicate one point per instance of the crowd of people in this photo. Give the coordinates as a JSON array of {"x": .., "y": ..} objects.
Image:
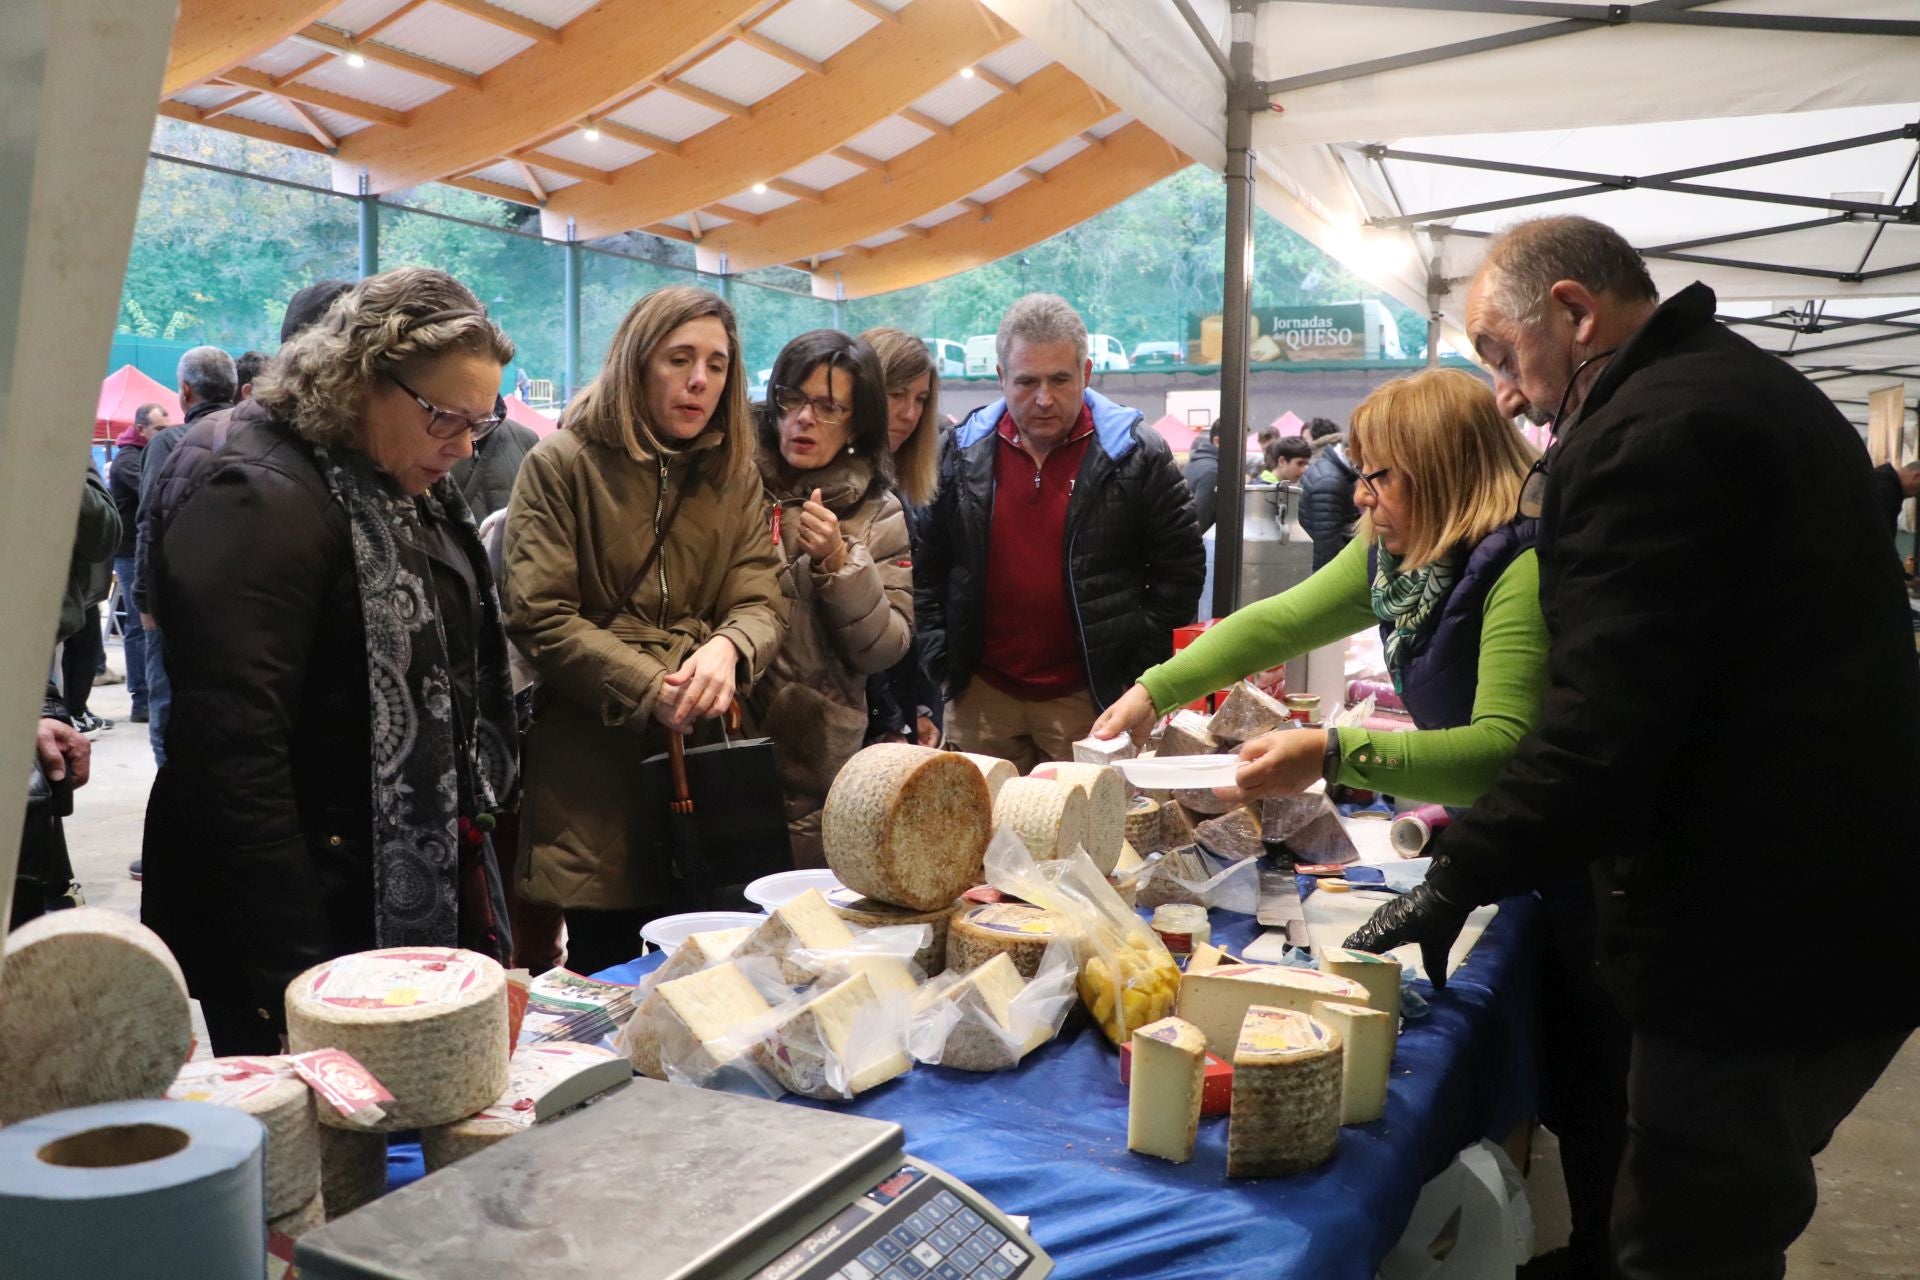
[{"x": 403, "y": 663}]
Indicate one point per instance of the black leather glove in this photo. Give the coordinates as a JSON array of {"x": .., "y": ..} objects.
[{"x": 1423, "y": 915}]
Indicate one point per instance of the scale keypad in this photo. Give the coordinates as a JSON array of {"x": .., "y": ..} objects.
[{"x": 939, "y": 1238}]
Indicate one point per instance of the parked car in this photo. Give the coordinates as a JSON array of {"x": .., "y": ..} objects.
[
  {"x": 949, "y": 357},
  {"x": 757, "y": 389},
  {"x": 1148, "y": 355},
  {"x": 982, "y": 358},
  {"x": 1107, "y": 354}
]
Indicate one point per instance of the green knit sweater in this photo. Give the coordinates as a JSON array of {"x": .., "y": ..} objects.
[{"x": 1445, "y": 766}]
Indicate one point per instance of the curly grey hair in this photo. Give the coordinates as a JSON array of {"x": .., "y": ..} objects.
[
  {"x": 1041, "y": 317},
  {"x": 393, "y": 321},
  {"x": 1530, "y": 257}
]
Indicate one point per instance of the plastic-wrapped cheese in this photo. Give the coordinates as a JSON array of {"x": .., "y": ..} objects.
[
  {"x": 700, "y": 951},
  {"x": 93, "y": 1008},
  {"x": 871, "y": 913},
  {"x": 430, "y": 1023},
  {"x": 983, "y": 1039},
  {"x": 979, "y": 932},
  {"x": 690, "y": 1023},
  {"x": 994, "y": 769},
  {"x": 1106, "y": 807},
  {"x": 547, "y": 1079},
  {"x": 1049, "y": 817},
  {"x": 353, "y": 1168},
  {"x": 803, "y": 923},
  {"x": 908, "y": 825},
  {"x": 839, "y": 1044},
  {"x": 1286, "y": 1094},
  {"x": 283, "y": 1104},
  {"x": 1217, "y": 1001}
]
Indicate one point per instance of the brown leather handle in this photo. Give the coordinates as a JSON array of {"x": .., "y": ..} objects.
[{"x": 677, "y": 759}]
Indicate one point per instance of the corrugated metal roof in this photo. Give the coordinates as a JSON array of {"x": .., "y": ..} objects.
[
  {"x": 505, "y": 173},
  {"x": 939, "y": 216},
  {"x": 707, "y": 221},
  {"x": 207, "y": 95},
  {"x": 381, "y": 85},
  {"x": 358, "y": 15},
  {"x": 549, "y": 179},
  {"x": 956, "y": 99},
  {"x": 740, "y": 72},
  {"x": 1017, "y": 61},
  {"x": 551, "y": 13},
  {"x": 765, "y": 202},
  {"x": 822, "y": 172},
  {"x": 884, "y": 238},
  {"x": 997, "y": 188},
  {"x": 1112, "y": 124},
  {"x": 283, "y": 57},
  {"x": 271, "y": 111},
  {"x": 1058, "y": 155},
  {"x": 818, "y": 28},
  {"x": 456, "y": 39},
  {"x": 603, "y": 153},
  {"x": 889, "y": 138},
  {"x": 667, "y": 115}
]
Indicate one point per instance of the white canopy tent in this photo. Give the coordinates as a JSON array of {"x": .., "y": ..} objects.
[{"x": 1766, "y": 147}]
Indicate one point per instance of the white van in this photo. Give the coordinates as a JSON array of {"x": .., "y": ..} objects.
[
  {"x": 1107, "y": 354},
  {"x": 949, "y": 357},
  {"x": 981, "y": 358}
]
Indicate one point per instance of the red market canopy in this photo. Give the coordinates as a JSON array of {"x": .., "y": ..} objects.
[
  {"x": 1178, "y": 435},
  {"x": 532, "y": 419},
  {"x": 122, "y": 394}
]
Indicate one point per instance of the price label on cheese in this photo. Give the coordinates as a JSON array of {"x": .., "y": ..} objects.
[
  {"x": 227, "y": 1082},
  {"x": 1280, "y": 1031},
  {"x": 1012, "y": 917},
  {"x": 393, "y": 979},
  {"x": 534, "y": 1071}
]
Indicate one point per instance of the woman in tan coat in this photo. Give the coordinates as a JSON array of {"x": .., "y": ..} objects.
[
  {"x": 660, "y": 440},
  {"x": 846, "y": 567}
]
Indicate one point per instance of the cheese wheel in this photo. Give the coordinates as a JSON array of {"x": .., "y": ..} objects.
[
  {"x": 871, "y": 913},
  {"x": 302, "y": 1218},
  {"x": 546, "y": 1080},
  {"x": 430, "y": 1023},
  {"x": 1217, "y": 1000},
  {"x": 1286, "y": 1094},
  {"x": 1049, "y": 817},
  {"x": 994, "y": 769},
  {"x": 443, "y": 1144},
  {"x": 908, "y": 825},
  {"x": 93, "y": 1008},
  {"x": 979, "y": 932},
  {"x": 1176, "y": 826},
  {"x": 281, "y": 1102},
  {"x": 1106, "y": 807},
  {"x": 1144, "y": 825},
  {"x": 353, "y": 1168}
]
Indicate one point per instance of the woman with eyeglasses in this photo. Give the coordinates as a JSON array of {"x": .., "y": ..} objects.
[
  {"x": 846, "y": 567},
  {"x": 640, "y": 585},
  {"x": 342, "y": 724}
]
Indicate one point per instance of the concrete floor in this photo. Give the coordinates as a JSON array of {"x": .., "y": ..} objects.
[{"x": 1867, "y": 1226}]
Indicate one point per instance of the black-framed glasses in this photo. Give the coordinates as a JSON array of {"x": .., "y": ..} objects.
[
  {"x": 1533, "y": 490},
  {"x": 445, "y": 424},
  {"x": 1372, "y": 479},
  {"x": 793, "y": 399}
]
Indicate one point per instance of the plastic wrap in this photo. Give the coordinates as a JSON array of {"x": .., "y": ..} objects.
[
  {"x": 1167, "y": 879},
  {"x": 1127, "y": 975},
  {"x": 962, "y": 1031}
]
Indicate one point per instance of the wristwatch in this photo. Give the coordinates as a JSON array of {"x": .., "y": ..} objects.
[{"x": 1330, "y": 761}]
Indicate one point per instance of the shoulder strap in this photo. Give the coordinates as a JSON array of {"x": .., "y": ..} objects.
[{"x": 646, "y": 566}]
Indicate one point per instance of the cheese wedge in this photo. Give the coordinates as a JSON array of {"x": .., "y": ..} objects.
[
  {"x": 805, "y": 923},
  {"x": 985, "y": 996},
  {"x": 1217, "y": 1001},
  {"x": 838, "y": 1044},
  {"x": 687, "y": 1022},
  {"x": 700, "y": 951},
  {"x": 1164, "y": 1093},
  {"x": 1367, "y": 1035},
  {"x": 1286, "y": 1094},
  {"x": 1380, "y": 975}
]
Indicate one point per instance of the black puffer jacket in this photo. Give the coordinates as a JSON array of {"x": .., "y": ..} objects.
[
  {"x": 1327, "y": 512},
  {"x": 485, "y": 479},
  {"x": 161, "y": 485},
  {"x": 1134, "y": 561}
]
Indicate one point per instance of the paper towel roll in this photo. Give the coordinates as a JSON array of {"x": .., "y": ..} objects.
[{"x": 152, "y": 1187}]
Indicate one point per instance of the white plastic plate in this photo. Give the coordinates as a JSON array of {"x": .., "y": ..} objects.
[
  {"x": 668, "y": 932},
  {"x": 1174, "y": 773},
  {"x": 775, "y": 891}
]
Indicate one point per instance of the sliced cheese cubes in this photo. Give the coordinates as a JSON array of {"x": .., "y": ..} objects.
[
  {"x": 1164, "y": 1094},
  {"x": 837, "y": 1045},
  {"x": 1217, "y": 1001},
  {"x": 694, "y": 1023},
  {"x": 1286, "y": 1094}
]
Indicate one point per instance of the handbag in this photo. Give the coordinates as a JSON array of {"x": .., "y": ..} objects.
[{"x": 724, "y": 816}]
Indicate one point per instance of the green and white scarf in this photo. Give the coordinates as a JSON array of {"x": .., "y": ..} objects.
[{"x": 1407, "y": 602}]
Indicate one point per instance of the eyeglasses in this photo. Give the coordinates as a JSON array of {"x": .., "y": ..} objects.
[
  {"x": 445, "y": 424},
  {"x": 830, "y": 412},
  {"x": 1533, "y": 490},
  {"x": 1371, "y": 479}
]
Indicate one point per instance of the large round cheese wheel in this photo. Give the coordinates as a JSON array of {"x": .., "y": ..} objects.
[
  {"x": 280, "y": 1101},
  {"x": 871, "y": 913},
  {"x": 1049, "y": 817},
  {"x": 353, "y": 1168},
  {"x": 442, "y": 1144},
  {"x": 430, "y": 1023},
  {"x": 302, "y": 1218},
  {"x": 1017, "y": 930},
  {"x": 1144, "y": 824},
  {"x": 995, "y": 770},
  {"x": 908, "y": 825},
  {"x": 93, "y": 1008},
  {"x": 1106, "y": 807}
]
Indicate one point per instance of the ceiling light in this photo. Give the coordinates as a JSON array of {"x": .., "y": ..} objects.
[
  {"x": 356, "y": 60},
  {"x": 966, "y": 73},
  {"x": 590, "y": 133},
  {"x": 759, "y": 188}
]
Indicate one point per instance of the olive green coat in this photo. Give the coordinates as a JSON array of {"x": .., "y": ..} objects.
[{"x": 579, "y": 527}]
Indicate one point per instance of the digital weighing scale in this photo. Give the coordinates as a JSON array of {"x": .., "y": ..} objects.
[{"x": 661, "y": 1182}]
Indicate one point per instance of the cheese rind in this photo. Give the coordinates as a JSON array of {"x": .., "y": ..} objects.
[
  {"x": 979, "y": 932},
  {"x": 353, "y": 1168},
  {"x": 1144, "y": 827},
  {"x": 804, "y": 923},
  {"x": 1286, "y": 1094},
  {"x": 870, "y": 913},
  {"x": 1049, "y": 817},
  {"x": 1217, "y": 1001},
  {"x": 997, "y": 771},
  {"x": 983, "y": 1039},
  {"x": 1186, "y": 734},
  {"x": 547, "y": 1079},
  {"x": 284, "y": 1106},
  {"x": 1106, "y": 795},
  {"x": 839, "y": 1044},
  {"x": 692, "y": 1022},
  {"x": 430, "y": 1023},
  {"x": 908, "y": 824},
  {"x": 700, "y": 951},
  {"x": 1246, "y": 714},
  {"x": 1380, "y": 975},
  {"x": 1367, "y": 1039},
  {"x": 302, "y": 1218},
  {"x": 1165, "y": 1089},
  {"x": 93, "y": 1008},
  {"x": 1091, "y": 750}
]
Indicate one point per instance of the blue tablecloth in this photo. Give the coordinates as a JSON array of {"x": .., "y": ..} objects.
[{"x": 1049, "y": 1139}]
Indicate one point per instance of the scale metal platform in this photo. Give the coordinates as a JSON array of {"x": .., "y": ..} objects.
[{"x": 660, "y": 1182}]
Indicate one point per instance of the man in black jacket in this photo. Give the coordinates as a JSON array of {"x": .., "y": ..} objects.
[
  {"x": 1663, "y": 716},
  {"x": 124, "y": 483},
  {"x": 1327, "y": 510},
  {"x": 1203, "y": 475},
  {"x": 1060, "y": 554}
]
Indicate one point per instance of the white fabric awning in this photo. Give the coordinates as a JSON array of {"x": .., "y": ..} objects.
[{"x": 1642, "y": 118}]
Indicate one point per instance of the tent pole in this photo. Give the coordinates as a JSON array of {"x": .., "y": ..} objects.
[
  {"x": 367, "y": 206},
  {"x": 570, "y": 288},
  {"x": 1243, "y": 99}
]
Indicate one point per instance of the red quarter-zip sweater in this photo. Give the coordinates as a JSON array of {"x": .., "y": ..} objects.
[{"x": 1031, "y": 647}]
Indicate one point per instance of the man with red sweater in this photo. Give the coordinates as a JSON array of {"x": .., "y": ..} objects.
[{"x": 1059, "y": 555}]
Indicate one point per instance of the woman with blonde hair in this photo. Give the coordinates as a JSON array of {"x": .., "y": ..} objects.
[
  {"x": 904, "y": 702},
  {"x": 640, "y": 584},
  {"x": 342, "y": 725}
]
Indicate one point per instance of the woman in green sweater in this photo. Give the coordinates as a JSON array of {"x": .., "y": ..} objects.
[{"x": 1445, "y": 570}]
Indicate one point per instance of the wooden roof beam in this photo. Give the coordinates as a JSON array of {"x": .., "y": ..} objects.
[
  {"x": 248, "y": 78},
  {"x": 373, "y": 29},
  {"x": 812, "y": 195},
  {"x": 340, "y": 42},
  {"x": 1091, "y": 183},
  {"x": 876, "y": 9},
  {"x": 1000, "y": 82},
  {"x": 506, "y": 18},
  {"x": 635, "y": 137},
  {"x": 606, "y": 56},
  {"x": 850, "y": 156},
  {"x": 693, "y": 223},
  {"x": 732, "y": 214},
  {"x": 774, "y": 49},
  {"x": 498, "y": 190},
  {"x": 212, "y": 37},
  {"x": 241, "y": 125},
  {"x": 239, "y": 100},
  {"x": 559, "y": 164},
  {"x": 1031, "y": 174},
  {"x": 533, "y": 180},
  {"x": 913, "y": 115},
  {"x": 667, "y": 231},
  {"x": 310, "y": 122},
  {"x": 712, "y": 101}
]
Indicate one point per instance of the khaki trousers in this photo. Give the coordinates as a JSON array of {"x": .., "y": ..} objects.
[{"x": 988, "y": 722}]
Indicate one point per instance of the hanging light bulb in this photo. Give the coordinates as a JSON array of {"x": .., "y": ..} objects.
[{"x": 356, "y": 60}]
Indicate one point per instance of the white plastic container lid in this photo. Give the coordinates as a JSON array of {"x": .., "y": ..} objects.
[
  {"x": 775, "y": 891},
  {"x": 1178, "y": 773},
  {"x": 668, "y": 932}
]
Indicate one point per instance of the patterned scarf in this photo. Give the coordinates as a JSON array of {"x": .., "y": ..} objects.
[
  {"x": 1407, "y": 601},
  {"x": 430, "y": 780}
]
